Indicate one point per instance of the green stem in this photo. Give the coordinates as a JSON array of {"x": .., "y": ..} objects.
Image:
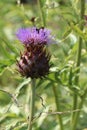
[
  {"x": 32, "y": 104},
  {"x": 75, "y": 98},
  {"x": 78, "y": 112},
  {"x": 58, "y": 107},
  {"x": 42, "y": 13}
]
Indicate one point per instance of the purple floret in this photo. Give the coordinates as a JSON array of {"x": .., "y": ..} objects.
[{"x": 34, "y": 35}]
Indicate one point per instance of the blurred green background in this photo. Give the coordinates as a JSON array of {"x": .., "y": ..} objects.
[{"x": 14, "y": 90}]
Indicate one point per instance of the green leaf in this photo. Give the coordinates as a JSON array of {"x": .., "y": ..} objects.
[
  {"x": 5, "y": 98},
  {"x": 5, "y": 64},
  {"x": 48, "y": 85},
  {"x": 21, "y": 85},
  {"x": 66, "y": 33},
  {"x": 79, "y": 31},
  {"x": 9, "y": 45},
  {"x": 8, "y": 116}
]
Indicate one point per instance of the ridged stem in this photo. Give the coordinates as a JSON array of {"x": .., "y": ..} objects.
[
  {"x": 32, "y": 104},
  {"x": 75, "y": 98},
  {"x": 40, "y": 5},
  {"x": 78, "y": 112},
  {"x": 58, "y": 106}
]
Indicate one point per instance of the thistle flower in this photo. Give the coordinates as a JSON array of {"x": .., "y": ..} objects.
[
  {"x": 36, "y": 36},
  {"x": 34, "y": 62}
]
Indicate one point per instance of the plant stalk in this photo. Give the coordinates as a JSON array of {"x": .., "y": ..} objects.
[
  {"x": 42, "y": 13},
  {"x": 58, "y": 107},
  {"x": 78, "y": 112},
  {"x": 75, "y": 98},
  {"x": 32, "y": 104}
]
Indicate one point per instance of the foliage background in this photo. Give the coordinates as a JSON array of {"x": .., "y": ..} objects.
[{"x": 61, "y": 16}]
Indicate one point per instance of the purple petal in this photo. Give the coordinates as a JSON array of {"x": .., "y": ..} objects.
[{"x": 34, "y": 35}]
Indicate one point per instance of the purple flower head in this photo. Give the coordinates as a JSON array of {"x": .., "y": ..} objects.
[{"x": 34, "y": 36}]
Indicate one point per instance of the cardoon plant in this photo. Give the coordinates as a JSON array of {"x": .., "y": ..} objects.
[{"x": 34, "y": 61}]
